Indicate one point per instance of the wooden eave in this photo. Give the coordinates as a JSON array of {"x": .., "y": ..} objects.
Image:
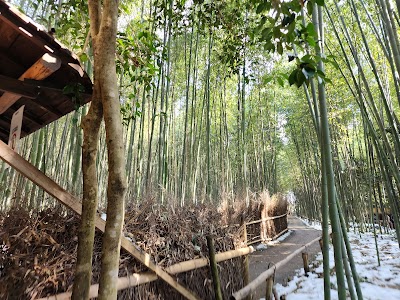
[{"x": 22, "y": 44}]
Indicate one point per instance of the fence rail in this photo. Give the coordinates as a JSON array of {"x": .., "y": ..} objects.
[
  {"x": 258, "y": 238},
  {"x": 266, "y": 219},
  {"x": 137, "y": 279}
]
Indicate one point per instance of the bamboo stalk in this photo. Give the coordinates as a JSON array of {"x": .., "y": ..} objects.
[
  {"x": 270, "y": 285},
  {"x": 122, "y": 283},
  {"x": 304, "y": 255},
  {"x": 214, "y": 269},
  {"x": 246, "y": 273},
  {"x": 202, "y": 262}
]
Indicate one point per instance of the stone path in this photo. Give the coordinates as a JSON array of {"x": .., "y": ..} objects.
[{"x": 300, "y": 235}]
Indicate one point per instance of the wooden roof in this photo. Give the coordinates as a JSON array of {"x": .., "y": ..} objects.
[{"x": 34, "y": 70}]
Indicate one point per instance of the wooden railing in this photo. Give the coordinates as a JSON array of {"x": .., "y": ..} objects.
[
  {"x": 258, "y": 238},
  {"x": 269, "y": 273},
  {"x": 137, "y": 279}
]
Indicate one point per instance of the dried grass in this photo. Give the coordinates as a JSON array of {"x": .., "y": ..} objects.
[
  {"x": 271, "y": 207},
  {"x": 38, "y": 250}
]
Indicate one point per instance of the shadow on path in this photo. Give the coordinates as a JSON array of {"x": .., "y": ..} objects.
[{"x": 300, "y": 235}]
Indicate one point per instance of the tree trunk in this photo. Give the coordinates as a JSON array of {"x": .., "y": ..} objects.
[
  {"x": 105, "y": 96},
  {"x": 104, "y": 53},
  {"x": 91, "y": 126}
]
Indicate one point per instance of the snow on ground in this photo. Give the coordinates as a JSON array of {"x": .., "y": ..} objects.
[
  {"x": 313, "y": 224},
  {"x": 264, "y": 246},
  {"x": 281, "y": 238},
  {"x": 377, "y": 282}
]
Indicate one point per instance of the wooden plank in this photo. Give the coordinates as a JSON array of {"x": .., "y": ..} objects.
[
  {"x": 40, "y": 70},
  {"x": 8, "y": 35},
  {"x": 17, "y": 87},
  {"x": 8, "y": 66},
  {"x": 36, "y": 176},
  {"x": 28, "y": 116}
]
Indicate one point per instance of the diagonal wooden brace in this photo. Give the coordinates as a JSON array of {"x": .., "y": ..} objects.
[
  {"x": 40, "y": 70},
  {"x": 36, "y": 176}
]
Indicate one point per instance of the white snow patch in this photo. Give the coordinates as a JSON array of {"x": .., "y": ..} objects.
[
  {"x": 264, "y": 246},
  {"x": 377, "y": 282},
  {"x": 281, "y": 238},
  {"x": 104, "y": 216},
  {"x": 313, "y": 224},
  {"x": 261, "y": 247}
]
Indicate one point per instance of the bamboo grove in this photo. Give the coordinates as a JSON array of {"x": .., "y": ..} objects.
[
  {"x": 224, "y": 99},
  {"x": 193, "y": 133}
]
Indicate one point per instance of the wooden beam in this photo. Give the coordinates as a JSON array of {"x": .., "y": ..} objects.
[
  {"x": 30, "y": 117},
  {"x": 40, "y": 70},
  {"x": 36, "y": 176},
  {"x": 18, "y": 87},
  {"x": 5, "y": 122},
  {"x": 41, "y": 101}
]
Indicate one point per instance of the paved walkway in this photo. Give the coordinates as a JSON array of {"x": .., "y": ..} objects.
[{"x": 300, "y": 235}]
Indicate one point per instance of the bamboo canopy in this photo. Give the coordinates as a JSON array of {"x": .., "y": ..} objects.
[{"x": 34, "y": 70}]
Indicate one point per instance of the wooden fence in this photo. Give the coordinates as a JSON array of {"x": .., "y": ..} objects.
[
  {"x": 257, "y": 238},
  {"x": 269, "y": 273},
  {"x": 137, "y": 279},
  {"x": 146, "y": 277},
  {"x": 51, "y": 187}
]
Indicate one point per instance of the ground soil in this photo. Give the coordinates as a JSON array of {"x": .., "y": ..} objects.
[{"x": 300, "y": 235}]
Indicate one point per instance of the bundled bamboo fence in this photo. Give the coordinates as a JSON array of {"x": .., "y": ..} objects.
[
  {"x": 146, "y": 277},
  {"x": 272, "y": 221},
  {"x": 47, "y": 184},
  {"x": 261, "y": 237}
]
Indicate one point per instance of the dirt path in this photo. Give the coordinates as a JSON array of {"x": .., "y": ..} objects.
[{"x": 300, "y": 235}]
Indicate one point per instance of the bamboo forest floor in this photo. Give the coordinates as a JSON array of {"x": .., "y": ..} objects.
[{"x": 300, "y": 234}]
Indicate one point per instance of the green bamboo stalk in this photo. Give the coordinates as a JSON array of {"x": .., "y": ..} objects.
[{"x": 328, "y": 168}]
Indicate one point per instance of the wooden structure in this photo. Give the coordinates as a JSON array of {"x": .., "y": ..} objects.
[{"x": 34, "y": 70}]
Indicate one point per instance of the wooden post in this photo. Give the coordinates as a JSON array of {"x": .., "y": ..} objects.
[
  {"x": 305, "y": 262},
  {"x": 40, "y": 70},
  {"x": 270, "y": 285},
  {"x": 214, "y": 268},
  {"x": 246, "y": 273}
]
